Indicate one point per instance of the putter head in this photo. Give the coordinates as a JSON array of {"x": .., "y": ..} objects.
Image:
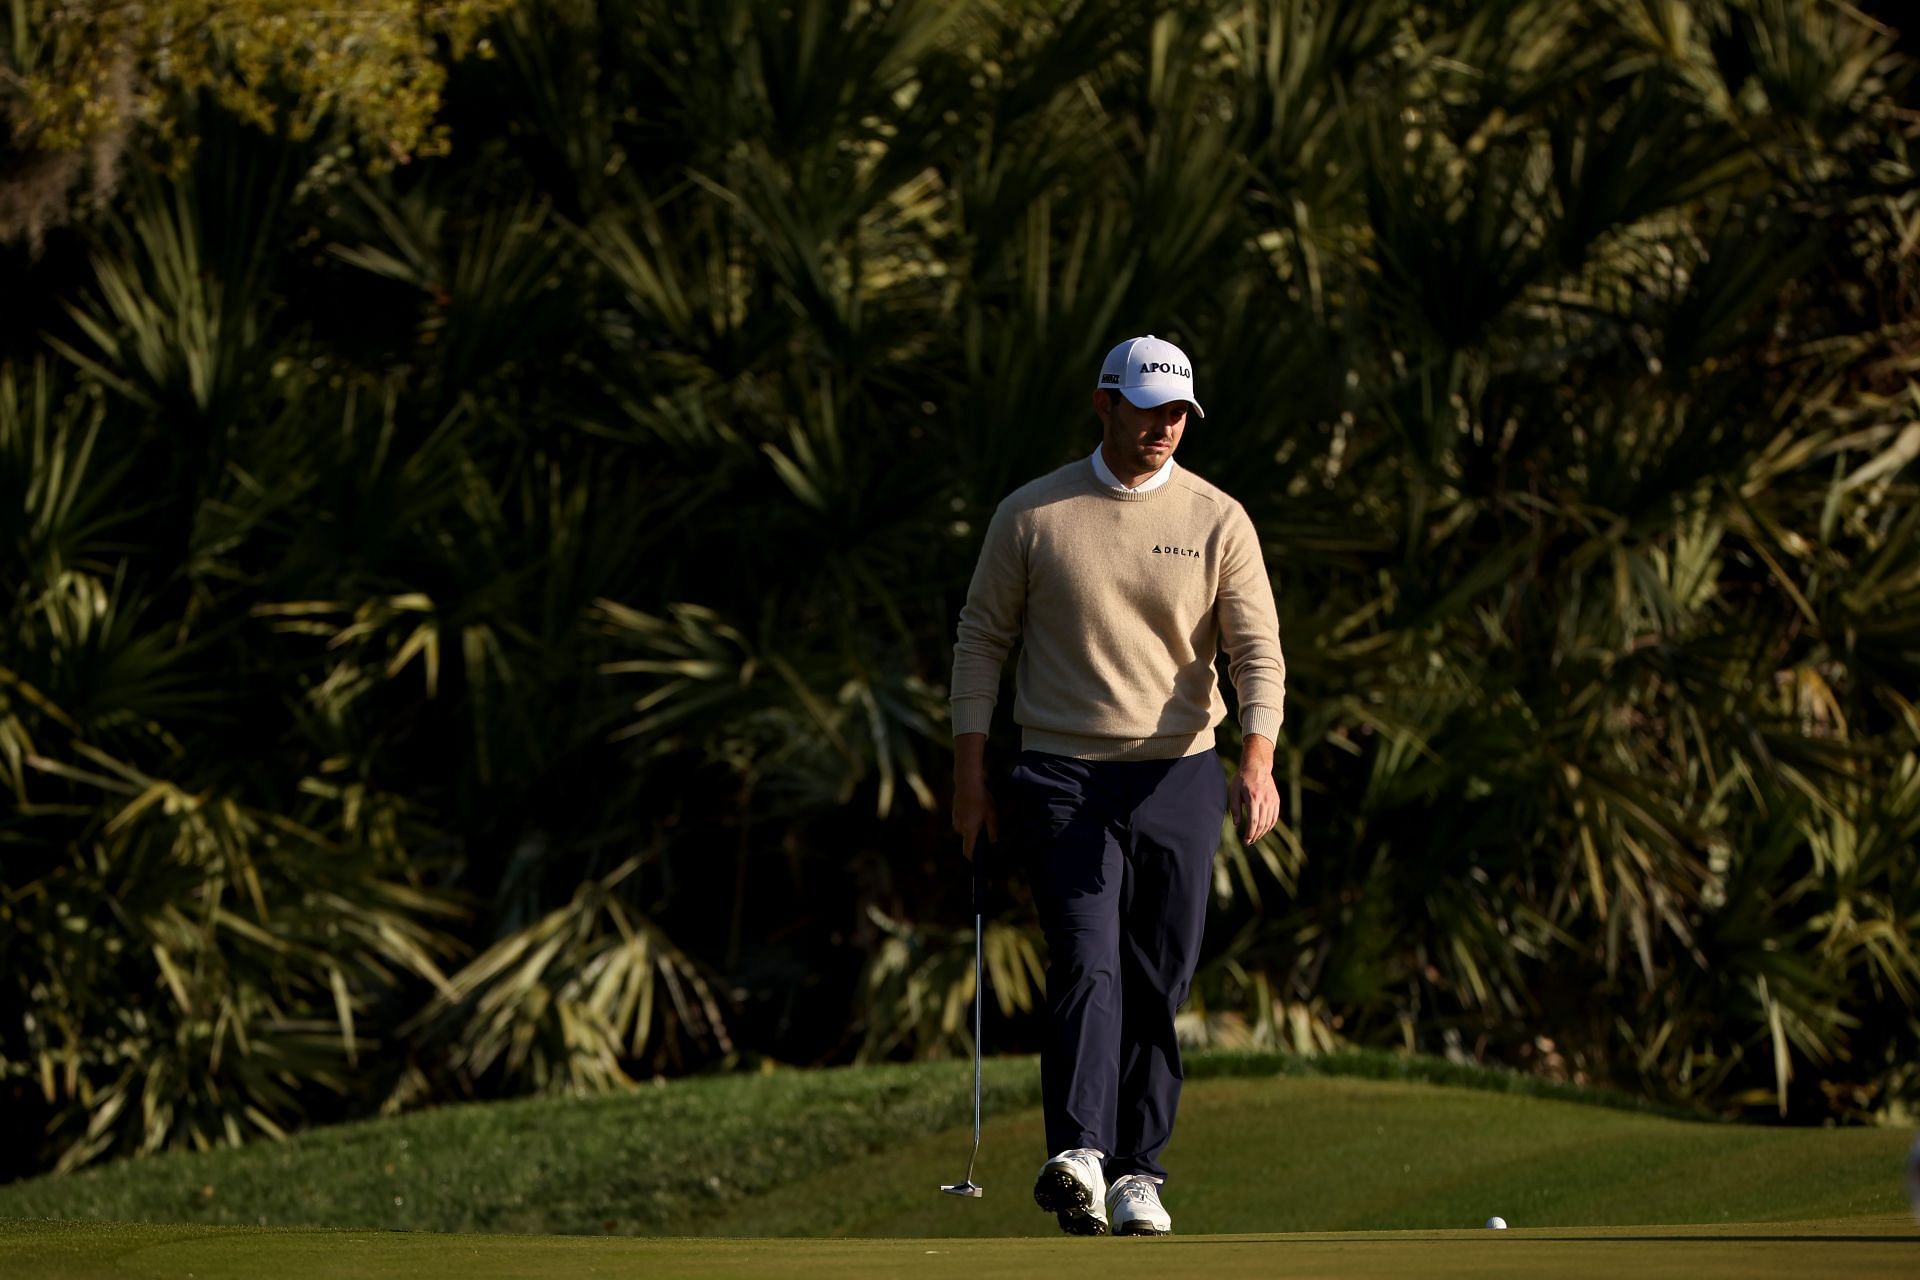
[{"x": 967, "y": 1188}]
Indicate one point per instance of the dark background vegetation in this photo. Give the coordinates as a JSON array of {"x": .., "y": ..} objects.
[{"x": 479, "y": 626}]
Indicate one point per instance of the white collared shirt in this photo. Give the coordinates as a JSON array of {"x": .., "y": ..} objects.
[{"x": 1152, "y": 482}]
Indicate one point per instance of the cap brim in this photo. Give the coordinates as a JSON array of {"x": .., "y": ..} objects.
[{"x": 1154, "y": 397}]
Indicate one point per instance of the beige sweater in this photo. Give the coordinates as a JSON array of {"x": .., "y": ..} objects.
[{"x": 1120, "y": 601}]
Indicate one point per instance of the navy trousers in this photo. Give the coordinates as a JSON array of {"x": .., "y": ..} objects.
[{"x": 1120, "y": 854}]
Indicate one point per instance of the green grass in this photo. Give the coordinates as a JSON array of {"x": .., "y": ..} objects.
[
  {"x": 1378, "y": 1166},
  {"x": 1859, "y": 1249},
  {"x": 1375, "y": 1064},
  {"x": 1343, "y": 1154},
  {"x": 1264, "y": 1144},
  {"x": 655, "y": 1161}
]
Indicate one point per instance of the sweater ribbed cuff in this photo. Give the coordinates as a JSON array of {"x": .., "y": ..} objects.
[
  {"x": 1262, "y": 720},
  {"x": 972, "y": 715}
]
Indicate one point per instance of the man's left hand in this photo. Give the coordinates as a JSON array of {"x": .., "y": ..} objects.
[{"x": 1252, "y": 796}]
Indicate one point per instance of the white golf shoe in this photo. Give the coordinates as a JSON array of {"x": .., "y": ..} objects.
[
  {"x": 1072, "y": 1187},
  {"x": 1133, "y": 1206}
]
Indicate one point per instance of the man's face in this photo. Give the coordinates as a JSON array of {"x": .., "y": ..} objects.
[{"x": 1138, "y": 440}]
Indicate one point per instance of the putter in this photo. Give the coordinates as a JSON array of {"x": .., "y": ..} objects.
[{"x": 967, "y": 1186}]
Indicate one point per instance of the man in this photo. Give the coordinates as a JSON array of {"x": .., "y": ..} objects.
[{"x": 1122, "y": 576}]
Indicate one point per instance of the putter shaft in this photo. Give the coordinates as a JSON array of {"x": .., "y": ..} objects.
[
  {"x": 968, "y": 1187},
  {"x": 978, "y": 995}
]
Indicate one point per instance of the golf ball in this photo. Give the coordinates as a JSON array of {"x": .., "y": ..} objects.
[{"x": 1497, "y": 1224}]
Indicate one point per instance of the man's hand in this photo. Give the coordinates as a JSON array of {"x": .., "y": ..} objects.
[
  {"x": 1252, "y": 797},
  {"x": 972, "y": 802}
]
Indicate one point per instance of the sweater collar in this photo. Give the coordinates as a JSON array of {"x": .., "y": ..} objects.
[{"x": 1104, "y": 474}]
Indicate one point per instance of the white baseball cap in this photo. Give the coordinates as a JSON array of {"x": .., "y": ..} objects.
[{"x": 1149, "y": 371}]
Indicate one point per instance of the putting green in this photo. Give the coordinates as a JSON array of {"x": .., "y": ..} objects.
[
  {"x": 1318, "y": 1155},
  {"x": 789, "y": 1156},
  {"x": 1873, "y": 1247}
]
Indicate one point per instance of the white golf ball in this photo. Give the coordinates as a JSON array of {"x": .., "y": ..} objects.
[{"x": 1497, "y": 1224}]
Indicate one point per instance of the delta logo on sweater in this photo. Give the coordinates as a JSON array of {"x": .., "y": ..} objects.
[{"x": 1176, "y": 551}]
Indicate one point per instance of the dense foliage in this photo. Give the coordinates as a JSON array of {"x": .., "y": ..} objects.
[
  {"x": 79, "y": 79},
  {"x": 482, "y": 627}
]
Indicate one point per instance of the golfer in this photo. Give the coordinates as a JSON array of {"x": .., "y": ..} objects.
[{"x": 1121, "y": 575}]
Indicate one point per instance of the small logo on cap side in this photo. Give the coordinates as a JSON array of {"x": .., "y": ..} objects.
[{"x": 1109, "y": 377}]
